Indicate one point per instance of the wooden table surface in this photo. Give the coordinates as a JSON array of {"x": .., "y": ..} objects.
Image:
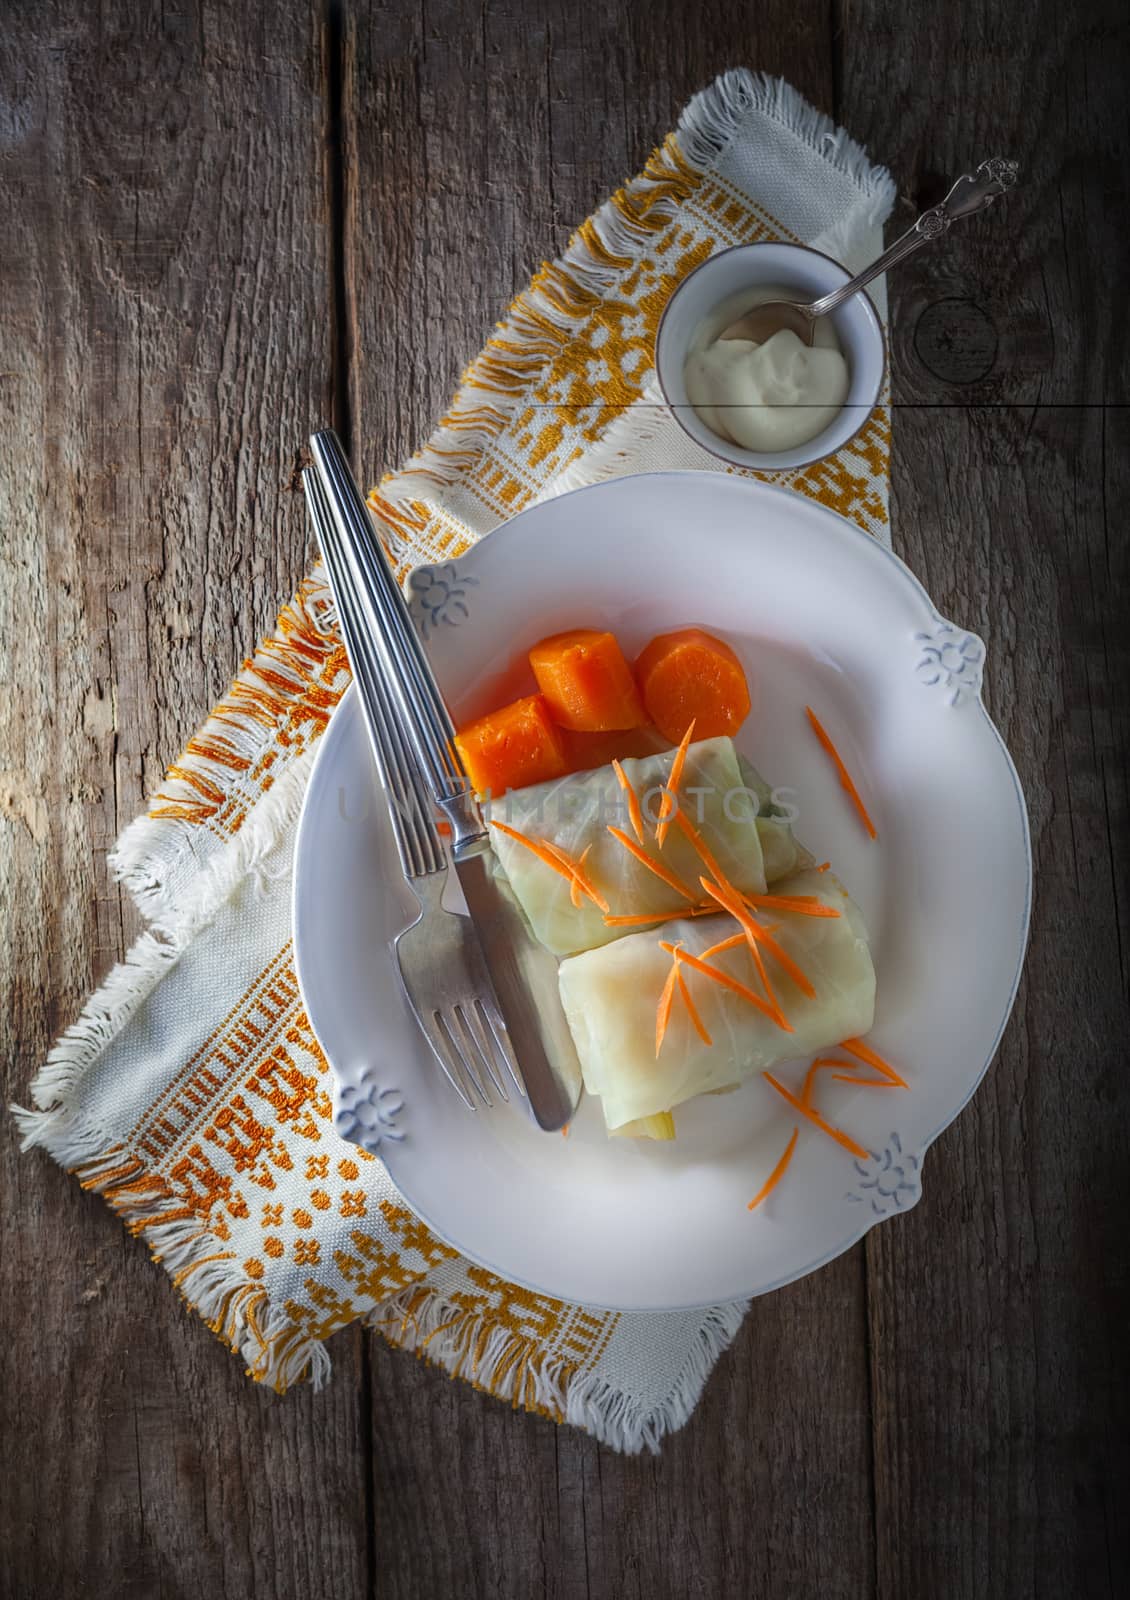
[{"x": 224, "y": 225}]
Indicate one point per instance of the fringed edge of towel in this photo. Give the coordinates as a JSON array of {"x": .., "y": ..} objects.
[
  {"x": 209, "y": 1277},
  {"x": 491, "y": 1358},
  {"x": 244, "y": 861},
  {"x": 563, "y": 294},
  {"x": 226, "y": 774}
]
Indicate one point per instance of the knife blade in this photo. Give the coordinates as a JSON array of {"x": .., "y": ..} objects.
[{"x": 524, "y": 975}]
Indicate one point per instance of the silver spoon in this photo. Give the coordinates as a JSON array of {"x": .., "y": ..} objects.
[{"x": 972, "y": 192}]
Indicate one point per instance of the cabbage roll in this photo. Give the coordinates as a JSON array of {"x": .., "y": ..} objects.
[
  {"x": 611, "y": 997},
  {"x": 573, "y": 813},
  {"x": 781, "y": 852}
]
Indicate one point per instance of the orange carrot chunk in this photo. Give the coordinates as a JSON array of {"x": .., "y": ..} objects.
[
  {"x": 842, "y": 772},
  {"x": 777, "y": 1173},
  {"x": 586, "y": 751},
  {"x": 509, "y": 748},
  {"x": 690, "y": 675},
  {"x": 586, "y": 681}
]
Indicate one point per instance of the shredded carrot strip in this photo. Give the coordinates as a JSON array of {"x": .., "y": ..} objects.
[
  {"x": 642, "y": 921},
  {"x": 810, "y": 1076},
  {"x": 670, "y": 804},
  {"x": 732, "y": 903},
  {"x": 815, "y": 1117},
  {"x": 550, "y": 856},
  {"x": 663, "y": 1014},
  {"x": 797, "y": 974},
  {"x": 843, "y": 773},
  {"x": 864, "y": 1052},
  {"x": 701, "y": 846},
  {"x": 553, "y": 856},
  {"x": 866, "y": 1083},
  {"x": 581, "y": 879},
  {"x": 805, "y": 905},
  {"x": 823, "y": 867},
  {"x": 692, "y": 1009},
  {"x": 727, "y": 982},
  {"x": 575, "y": 887},
  {"x": 657, "y": 867},
  {"x": 565, "y": 1131},
  {"x": 635, "y": 812},
  {"x": 731, "y": 943},
  {"x": 776, "y": 1175}
]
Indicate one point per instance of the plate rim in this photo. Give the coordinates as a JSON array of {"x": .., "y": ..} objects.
[{"x": 899, "y": 569}]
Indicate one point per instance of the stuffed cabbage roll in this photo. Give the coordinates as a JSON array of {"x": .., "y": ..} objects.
[
  {"x": 611, "y": 997},
  {"x": 781, "y": 851},
  {"x": 573, "y": 814}
]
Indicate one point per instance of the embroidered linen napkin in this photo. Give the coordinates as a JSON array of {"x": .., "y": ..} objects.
[{"x": 191, "y": 1092}]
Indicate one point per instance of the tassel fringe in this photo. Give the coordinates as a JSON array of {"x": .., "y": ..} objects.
[{"x": 491, "y": 1358}]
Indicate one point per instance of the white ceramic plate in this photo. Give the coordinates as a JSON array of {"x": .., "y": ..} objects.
[{"x": 820, "y": 615}]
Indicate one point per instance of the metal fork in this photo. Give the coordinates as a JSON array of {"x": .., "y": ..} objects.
[{"x": 439, "y": 958}]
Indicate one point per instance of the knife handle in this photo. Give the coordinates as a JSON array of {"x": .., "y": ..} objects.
[{"x": 418, "y": 701}]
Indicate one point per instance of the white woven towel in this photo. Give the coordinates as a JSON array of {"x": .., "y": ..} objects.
[{"x": 191, "y": 1091}]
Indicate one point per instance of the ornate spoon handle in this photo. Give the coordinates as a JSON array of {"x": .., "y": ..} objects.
[{"x": 972, "y": 192}]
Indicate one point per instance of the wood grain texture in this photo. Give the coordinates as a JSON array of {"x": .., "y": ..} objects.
[
  {"x": 1000, "y": 1419},
  {"x": 165, "y": 349},
  {"x": 941, "y": 1411}
]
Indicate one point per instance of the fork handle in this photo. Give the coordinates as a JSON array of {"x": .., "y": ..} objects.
[
  {"x": 423, "y": 713},
  {"x": 409, "y": 804}
]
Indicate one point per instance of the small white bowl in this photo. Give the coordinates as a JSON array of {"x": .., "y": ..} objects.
[{"x": 810, "y": 274}]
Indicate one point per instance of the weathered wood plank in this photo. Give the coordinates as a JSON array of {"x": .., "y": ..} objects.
[
  {"x": 163, "y": 294},
  {"x": 996, "y": 1308},
  {"x": 474, "y": 146}
]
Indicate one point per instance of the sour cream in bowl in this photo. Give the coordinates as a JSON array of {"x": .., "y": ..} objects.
[{"x": 779, "y": 404}]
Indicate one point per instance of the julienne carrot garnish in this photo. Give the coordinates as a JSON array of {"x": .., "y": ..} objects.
[
  {"x": 805, "y": 905},
  {"x": 657, "y": 867},
  {"x": 842, "y": 771},
  {"x": 777, "y": 1173},
  {"x": 666, "y": 999},
  {"x": 797, "y": 974},
  {"x": 731, "y": 943},
  {"x": 726, "y": 982},
  {"x": 575, "y": 887},
  {"x": 757, "y": 934},
  {"x": 552, "y": 856},
  {"x": 864, "y": 1052},
  {"x": 669, "y": 806},
  {"x": 810, "y": 1076},
  {"x": 582, "y": 883},
  {"x": 635, "y": 811},
  {"x": 732, "y": 903},
  {"x": 692, "y": 1009},
  {"x": 644, "y": 919},
  {"x": 816, "y": 1119},
  {"x": 864, "y": 1083},
  {"x": 688, "y": 828}
]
